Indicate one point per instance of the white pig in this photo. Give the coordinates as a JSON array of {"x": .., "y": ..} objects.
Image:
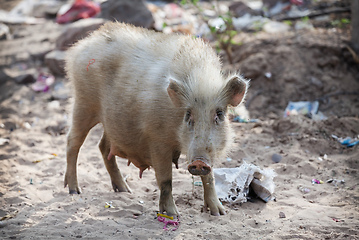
[{"x": 157, "y": 96}]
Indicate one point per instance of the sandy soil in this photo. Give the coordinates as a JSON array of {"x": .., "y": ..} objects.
[{"x": 34, "y": 204}]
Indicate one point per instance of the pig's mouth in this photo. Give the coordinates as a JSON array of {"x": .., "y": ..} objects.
[{"x": 199, "y": 167}]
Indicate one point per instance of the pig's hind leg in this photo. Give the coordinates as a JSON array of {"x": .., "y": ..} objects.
[
  {"x": 118, "y": 184},
  {"x": 83, "y": 120}
]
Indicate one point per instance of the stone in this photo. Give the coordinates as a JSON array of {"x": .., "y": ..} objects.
[
  {"x": 55, "y": 61},
  {"x": 76, "y": 31},
  {"x": 128, "y": 11}
]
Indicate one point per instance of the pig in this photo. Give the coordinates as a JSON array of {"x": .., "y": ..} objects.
[{"x": 157, "y": 96}]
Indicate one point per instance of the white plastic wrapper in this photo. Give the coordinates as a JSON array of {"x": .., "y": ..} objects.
[{"x": 232, "y": 184}]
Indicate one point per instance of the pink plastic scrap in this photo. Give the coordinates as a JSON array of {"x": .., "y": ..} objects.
[
  {"x": 315, "y": 181},
  {"x": 79, "y": 10},
  {"x": 166, "y": 222},
  {"x": 43, "y": 82}
]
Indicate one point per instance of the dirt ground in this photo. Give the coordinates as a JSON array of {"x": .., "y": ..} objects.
[{"x": 305, "y": 65}]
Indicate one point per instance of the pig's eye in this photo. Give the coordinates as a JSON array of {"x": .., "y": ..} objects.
[
  {"x": 188, "y": 115},
  {"x": 189, "y": 118},
  {"x": 220, "y": 114}
]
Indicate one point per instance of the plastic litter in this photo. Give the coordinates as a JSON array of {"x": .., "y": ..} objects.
[
  {"x": 242, "y": 120},
  {"x": 232, "y": 184},
  {"x": 198, "y": 184},
  {"x": 309, "y": 109},
  {"x": 275, "y": 27},
  {"x": 335, "y": 181},
  {"x": 109, "y": 205},
  {"x": 315, "y": 181},
  {"x": 348, "y": 141},
  {"x": 163, "y": 217},
  {"x": 249, "y": 22},
  {"x": 79, "y": 10},
  {"x": 303, "y": 189},
  {"x": 3, "y": 141},
  {"x": 43, "y": 82}
]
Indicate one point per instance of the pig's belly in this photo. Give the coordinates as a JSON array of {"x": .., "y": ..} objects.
[{"x": 142, "y": 162}]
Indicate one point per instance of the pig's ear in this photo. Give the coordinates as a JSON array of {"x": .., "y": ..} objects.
[
  {"x": 175, "y": 92},
  {"x": 235, "y": 90}
]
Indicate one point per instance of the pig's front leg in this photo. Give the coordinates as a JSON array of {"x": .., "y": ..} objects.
[
  {"x": 211, "y": 200},
  {"x": 163, "y": 168}
]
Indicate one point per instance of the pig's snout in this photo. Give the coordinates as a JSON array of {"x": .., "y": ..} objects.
[{"x": 198, "y": 167}]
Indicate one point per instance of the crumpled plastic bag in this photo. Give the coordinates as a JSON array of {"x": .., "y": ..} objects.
[
  {"x": 232, "y": 184},
  {"x": 79, "y": 10}
]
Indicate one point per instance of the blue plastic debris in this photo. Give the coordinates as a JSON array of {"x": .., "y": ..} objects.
[
  {"x": 308, "y": 109},
  {"x": 348, "y": 141},
  {"x": 242, "y": 120}
]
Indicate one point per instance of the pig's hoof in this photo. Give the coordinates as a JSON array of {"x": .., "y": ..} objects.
[
  {"x": 121, "y": 188},
  {"x": 216, "y": 209},
  {"x": 78, "y": 191}
]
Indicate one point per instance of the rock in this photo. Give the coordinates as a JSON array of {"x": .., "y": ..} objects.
[
  {"x": 239, "y": 9},
  {"x": 129, "y": 11},
  {"x": 76, "y": 31},
  {"x": 276, "y": 158},
  {"x": 4, "y": 32},
  {"x": 55, "y": 61},
  {"x": 26, "y": 78},
  {"x": 281, "y": 215}
]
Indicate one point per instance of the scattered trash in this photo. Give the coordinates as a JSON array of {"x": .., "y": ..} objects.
[
  {"x": 249, "y": 22},
  {"x": 198, "y": 184},
  {"x": 142, "y": 202},
  {"x": 3, "y": 141},
  {"x": 276, "y": 158},
  {"x": 281, "y": 215},
  {"x": 109, "y": 205},
  {"x": 268, "y": 74},
  {"x": 78, "y": 10},
  {"x": 315, "y": 181},
  {"x": 335, "y": 181},
  {"x": 43, "y": 83},
  {"x": 162, "y": 218},
  {"x": 232, "y": 184},
  {"x": 303, "y": 189},
  {"x": 275, "y": 27},
  {"x": 242, "y": 120},
  {"x": 228, "y": 159},
  {"x": 31, "y": 182},
  {"x": 320, "y": 159},
  {"x": 299, "y": 25},
  {"x": 163, "y": 215},
  {"x": 336, "y": 220},
  {"x": 348, "y": 141},
  {"x": 217, "y": 23},
  {"x": 53, "y": 155},
  {"x": 309, "y": 109}
]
